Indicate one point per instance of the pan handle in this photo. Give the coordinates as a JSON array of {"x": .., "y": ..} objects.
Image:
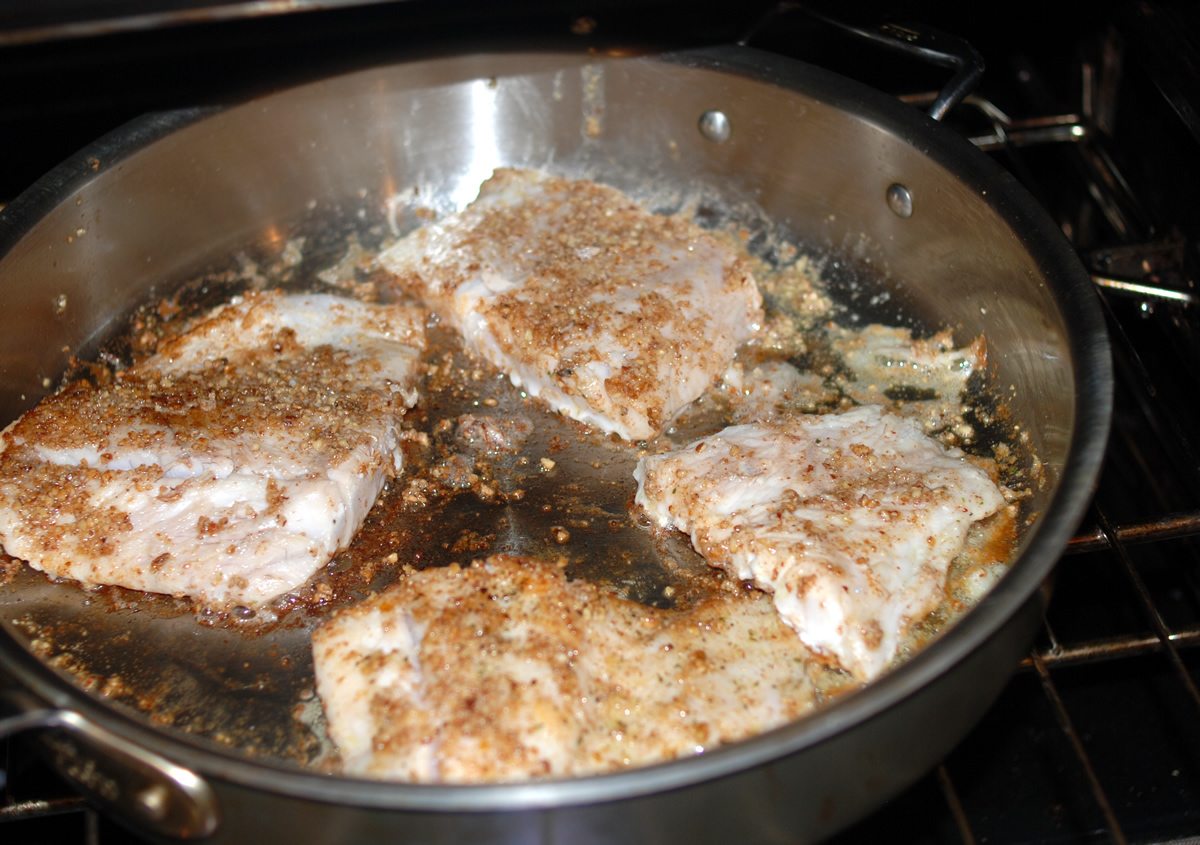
[
  {"x": 912, "y": 39},
  {"x": 138, "y": 786}
]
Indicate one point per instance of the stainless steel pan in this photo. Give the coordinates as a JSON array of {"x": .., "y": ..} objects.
[{"x": 828, "y": 162}]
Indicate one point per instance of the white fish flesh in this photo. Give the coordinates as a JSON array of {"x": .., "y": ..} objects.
[
  {"x": 505, "y": 671},
  {"x": 228, "y": 467},
  {"x": 614, "y": 316},
  {"x": 851, "y": 520}
]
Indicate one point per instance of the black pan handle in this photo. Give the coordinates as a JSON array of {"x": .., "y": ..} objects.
[
  {"x": 912, "y": 39},
  {"x": 147, "y": 791}
]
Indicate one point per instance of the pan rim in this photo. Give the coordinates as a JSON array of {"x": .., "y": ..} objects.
[{"x": 1093, "y": 404}]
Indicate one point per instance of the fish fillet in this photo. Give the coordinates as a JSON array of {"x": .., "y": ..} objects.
[
  {"x": 506, "y": 671},
  {"x": 229, "y": 466},
  {"x": 851, "y": 520},
  {"x": 614, "y": 316}
]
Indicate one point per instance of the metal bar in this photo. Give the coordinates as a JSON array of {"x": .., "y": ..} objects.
[
  {"x": 1169, "y": 430},
  {"x": 1110, "y": 192},
  {"x": 1155, "y": 617},
  {"x": 955, "y": 805},
  {"x": 1139, "y": 450},
  {"x": 41, "y": 808},
  {"x": 1068, "y": 728},
  {"x": 1052, "y": 129},
  {"x": 1032, "y": 136},
  {"x": 1105, "y": 183},
  {"x": 1141, "y": 290},
  {"x": 1094, "y": 651},
  {"x": 1167, "y": 527}
]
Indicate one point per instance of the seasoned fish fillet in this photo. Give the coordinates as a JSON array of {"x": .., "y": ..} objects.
[
  {"x": 229, "y": 466},
  {"x": 851, "y": 520},
  {"x": 614, "y": 316},
  {"x": 506, "y": 671}
]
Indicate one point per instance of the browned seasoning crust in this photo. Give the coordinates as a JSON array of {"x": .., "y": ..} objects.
[
  {"x": 616, "y": 316},
  {"x": 504, "y": 670},
  {"x": 230, "y": 426}
]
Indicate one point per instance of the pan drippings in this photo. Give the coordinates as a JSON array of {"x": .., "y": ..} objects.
[{"x": 488, "y": 470}]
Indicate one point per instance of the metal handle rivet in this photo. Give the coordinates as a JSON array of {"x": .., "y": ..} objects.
[
  {"x": 714, "y": 125},
  {"x": 899, "y": 200}
]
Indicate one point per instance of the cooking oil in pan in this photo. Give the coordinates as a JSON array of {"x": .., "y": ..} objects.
[{"x": 487, "y": 470}]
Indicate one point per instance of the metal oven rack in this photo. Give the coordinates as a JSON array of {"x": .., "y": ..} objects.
[{"x": 1097, "y": 737}]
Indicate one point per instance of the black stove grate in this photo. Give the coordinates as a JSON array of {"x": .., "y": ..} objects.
[{"x": 1097, "y": 737}]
